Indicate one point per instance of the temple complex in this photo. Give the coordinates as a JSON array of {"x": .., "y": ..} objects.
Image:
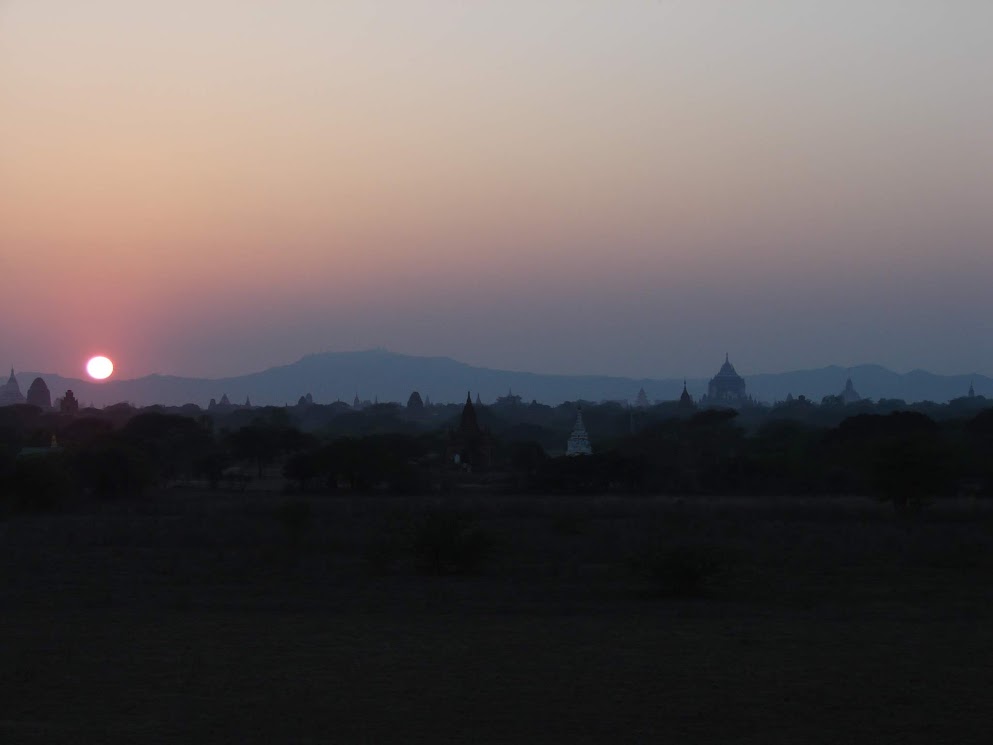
[
  {"x": 579, "y": 441},
  {"x": 509, "y": 400},
  {"x": 727, "y": 388},
  {"x": 10, "y": 392}
]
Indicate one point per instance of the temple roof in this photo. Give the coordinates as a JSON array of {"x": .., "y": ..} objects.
[{"x": 727, "y": 369}]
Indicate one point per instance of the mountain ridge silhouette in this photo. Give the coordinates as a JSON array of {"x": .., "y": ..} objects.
[{"x": 390, "y": 376}]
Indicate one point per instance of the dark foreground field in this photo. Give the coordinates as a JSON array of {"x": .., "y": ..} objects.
[{"x": 206, "y": 618}]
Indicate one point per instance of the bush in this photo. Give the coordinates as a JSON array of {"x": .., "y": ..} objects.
[
  {"x": 296, "y": 517},
  {"x": 41, "y": 482},
  {"x": 449, "y": 542},
  {"x": 111, "y": 468},
  {"x": 680, "y": 571}
]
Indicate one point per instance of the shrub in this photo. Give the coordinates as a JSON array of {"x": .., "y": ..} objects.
[
  {"x": 41, "y": 482},
  {"x": 680, "y": 571},
  {"x": 296, "y": 517},
  {"x": 449, "y": 542}
]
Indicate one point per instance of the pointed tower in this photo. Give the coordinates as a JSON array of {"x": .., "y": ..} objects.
[
  {"x": 468, "y": 425},
  {"x": 469, "y": 447},
  {"x": 641, "y": 401},
  {"x": 685, "y": 399},
  {"x": 10, "y": 392},
  {"x": 850, "y": 395},
  {"x": 478, "y": 401},
  {"x": 579, "y": 441}
]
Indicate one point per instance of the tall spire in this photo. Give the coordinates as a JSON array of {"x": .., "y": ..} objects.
[
  {"x": 469, "y": 425},
  {"x": 579, "y": 441}
]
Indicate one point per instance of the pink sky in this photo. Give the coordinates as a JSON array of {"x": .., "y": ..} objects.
[{"x": 214, "y": 187}]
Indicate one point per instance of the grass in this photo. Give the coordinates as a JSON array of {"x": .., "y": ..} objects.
[{"x": 496, "y": 619}]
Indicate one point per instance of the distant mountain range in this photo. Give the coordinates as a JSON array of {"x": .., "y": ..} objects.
[{"x": 391, "y": 377}]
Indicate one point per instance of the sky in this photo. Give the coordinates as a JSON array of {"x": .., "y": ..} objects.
[{"x": 626, "y": 187}]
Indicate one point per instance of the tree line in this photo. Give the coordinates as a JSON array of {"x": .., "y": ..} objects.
[{"x": 902, "y": 454}]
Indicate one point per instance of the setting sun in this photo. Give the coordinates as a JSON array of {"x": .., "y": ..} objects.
[{"x": 99, "y": 368}]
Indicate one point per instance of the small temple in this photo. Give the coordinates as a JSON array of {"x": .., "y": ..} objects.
[
  {"x": 10, "y": 392},
  {"x": 69, "y": 404},
  {"x": 470, "y": 446},
  {"x": 579, "y": 441},
  {"x": 850, "y": 395},
  {"x": 685, "y": 399}
]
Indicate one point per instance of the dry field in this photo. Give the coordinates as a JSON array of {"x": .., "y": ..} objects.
[{"x": 198, "y": 617}]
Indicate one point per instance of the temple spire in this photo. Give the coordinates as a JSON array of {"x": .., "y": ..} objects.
[{"x": 579, "y": 441}]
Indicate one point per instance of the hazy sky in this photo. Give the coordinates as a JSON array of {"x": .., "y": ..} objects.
[{"x": 634, "y": 187}]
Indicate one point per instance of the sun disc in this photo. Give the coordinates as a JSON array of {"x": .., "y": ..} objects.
[{"x": 99, "y": 368}]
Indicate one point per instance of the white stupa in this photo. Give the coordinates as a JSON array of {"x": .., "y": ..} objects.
[{"x": 579, "y": 442}]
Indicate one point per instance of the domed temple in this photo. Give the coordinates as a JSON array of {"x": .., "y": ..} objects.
[
  {"x": 39, "y": 395},
  {"x": 727, "y": 387}
]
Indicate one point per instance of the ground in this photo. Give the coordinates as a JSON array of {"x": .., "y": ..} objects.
[{"x": 200, "y": 617}]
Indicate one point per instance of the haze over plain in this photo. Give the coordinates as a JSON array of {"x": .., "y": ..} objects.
[{"x": 212, "y": 188}]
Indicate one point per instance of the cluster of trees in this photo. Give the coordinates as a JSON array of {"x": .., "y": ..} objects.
[{"x": 884, "y": 450}]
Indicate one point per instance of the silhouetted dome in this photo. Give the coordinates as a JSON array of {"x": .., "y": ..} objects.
[
  {"x": 415, "y": 402},
  {"x": 39, "y": 395}
]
